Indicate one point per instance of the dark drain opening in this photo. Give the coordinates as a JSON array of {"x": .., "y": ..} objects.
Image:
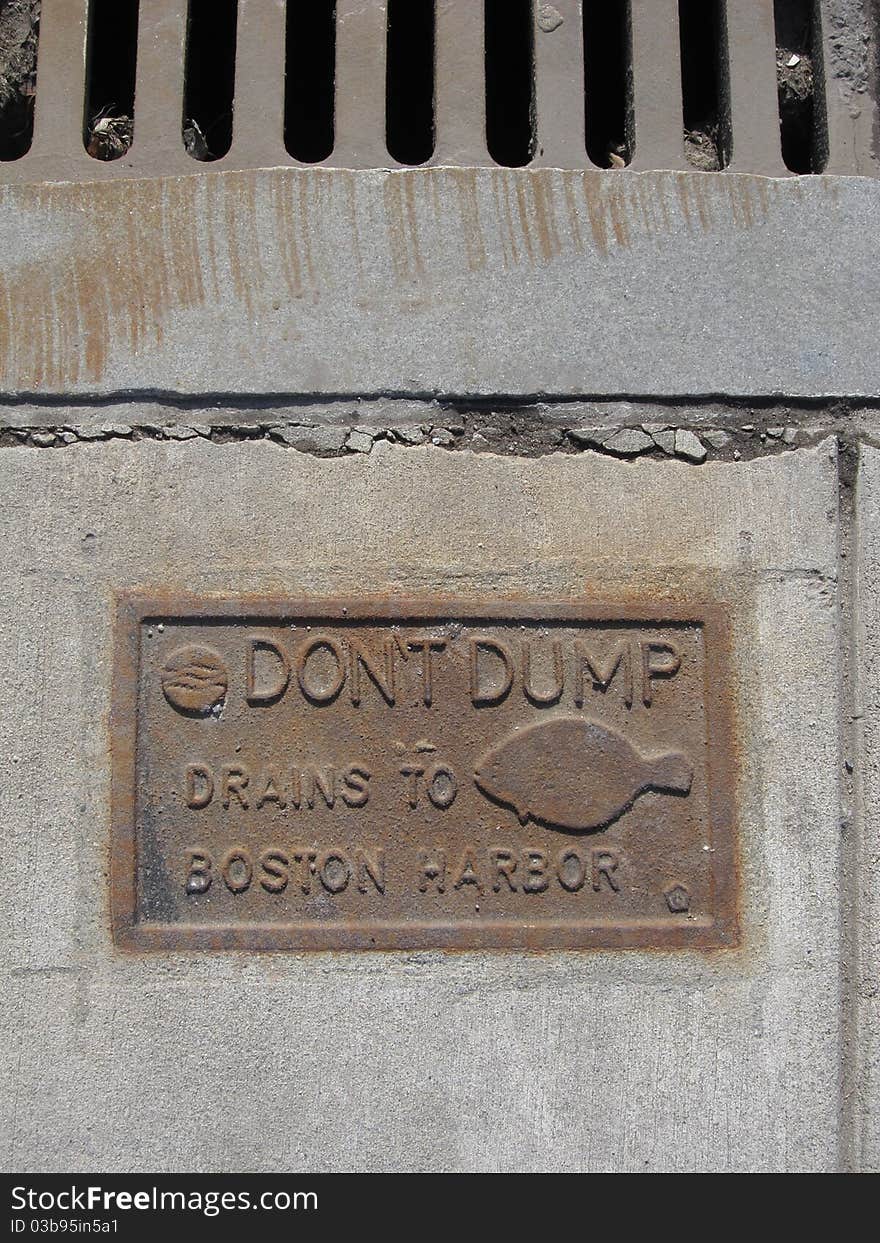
[
  {"x": 309, "y": 121},
  {"x": 19, "y": 36},
  {"x": 510, "y": 82},
  {"x": 409, "y": 81},
  {"x": 209, "y": 83},
  {"x": 111, "y": 64},
  {"x": 608, "y": 82},
  {"x": 704, "y": 83},
  {"x": 799, "y": 82}
]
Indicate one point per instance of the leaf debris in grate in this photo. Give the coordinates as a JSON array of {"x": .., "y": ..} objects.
[{"x": 109, "y": 137}]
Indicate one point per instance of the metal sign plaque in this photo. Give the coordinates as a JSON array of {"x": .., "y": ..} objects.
[{"x": 319, "y": 775}]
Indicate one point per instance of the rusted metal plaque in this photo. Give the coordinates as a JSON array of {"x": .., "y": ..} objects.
[{"x": 317, "y": 775}]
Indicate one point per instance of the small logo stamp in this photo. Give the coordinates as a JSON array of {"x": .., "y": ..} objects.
[{"x": 195, "y": 680}]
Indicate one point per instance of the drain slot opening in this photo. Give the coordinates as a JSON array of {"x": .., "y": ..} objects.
[
  {"x": 608, "y": 89},
  {"x": 209, "y": 82},
  {"x": 409, "y": 81},
  {"x": 510, "y": 82},
  {"x": 310, "y": 80},
  {"x": 111, "y": 65},
  {"x": 705, "y": 88},
  {"x": 799, "y": 85},
  {"x": 19, "y": 37}
]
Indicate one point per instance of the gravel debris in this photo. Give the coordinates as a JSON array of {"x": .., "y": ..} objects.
[
  {"x": 359, "y": 442},
  {"x": 688, "y": 445},
  {"x": 409, "y": 435},
  {"x": 665, "y": 440},
  {"x": 629, "y": 442},
  {"x": 326, "y": 439},
  {"x": 595, "y": 436}
]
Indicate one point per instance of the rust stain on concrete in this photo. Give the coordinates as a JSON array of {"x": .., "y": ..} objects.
[
  {"x": 303, "y": 230},
  {"x": 574, "y": 223},
  {"x": 285, "y": 225},
  {"x": 504, "y": 218},
  {"x": 401, "y": 220},
  {"x": 127, "y": 254},
  {"x": 544, "y": 215},
  {"x": 595, "y": 212},
  {"x": 348, "y": 182},
  {"x": 523, "y": 215},
  {"x": 465, "y": 182},
  {"x": 94, "y": 271}
]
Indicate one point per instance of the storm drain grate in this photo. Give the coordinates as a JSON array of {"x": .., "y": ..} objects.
[{"x": 96, "y": 88}]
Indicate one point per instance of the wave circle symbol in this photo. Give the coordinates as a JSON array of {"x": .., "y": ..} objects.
[{"x": 194, "y": 679}]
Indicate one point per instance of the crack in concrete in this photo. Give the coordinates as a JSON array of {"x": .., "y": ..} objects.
[
  {"x": 515, "y": 433},
  {"x": 851, "y": 1107},
  {"x": 425, "y": 397}
]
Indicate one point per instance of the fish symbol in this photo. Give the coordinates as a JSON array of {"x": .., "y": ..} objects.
[{"x": 572, "y": 773}]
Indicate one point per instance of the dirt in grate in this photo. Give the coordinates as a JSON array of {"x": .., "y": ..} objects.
[{"x": 19, "y": 29}]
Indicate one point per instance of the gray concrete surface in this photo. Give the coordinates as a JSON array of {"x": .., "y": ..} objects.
[
  {"x": 441, "y": 281},
  {"x": 477, "y": 381},
  {"x": 473, "y": 1061}
]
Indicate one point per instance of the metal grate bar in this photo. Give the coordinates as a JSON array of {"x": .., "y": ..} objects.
[
  {"x": 659, "y": 122},
  {"x": 158, "y": 104},
  {"x": 460, "y": 92},
  {"x": 852, "y": 119},
  {"x": 831, "y": 110},
  {"x": 845, "y": 107},
  {"x": 360, "y": 85},
  {"x": 754, "y": 107},
  {"x": 559, "y": 85},
  {"x": 258, "y": 118},
  {"x": 59, "y": 104}
]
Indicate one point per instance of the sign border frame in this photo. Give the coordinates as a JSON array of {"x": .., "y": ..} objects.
[{"x": 134, "y": 608}]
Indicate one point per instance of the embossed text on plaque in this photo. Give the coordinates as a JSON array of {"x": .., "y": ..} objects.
[{"x": 292, "y": 774}]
